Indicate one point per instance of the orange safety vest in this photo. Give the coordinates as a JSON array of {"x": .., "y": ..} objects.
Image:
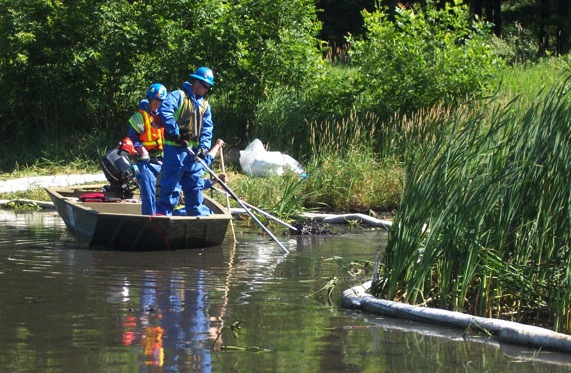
[{"x": 150, "y": 130}]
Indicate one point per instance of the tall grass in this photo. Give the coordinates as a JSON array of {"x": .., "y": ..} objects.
[
  {"x": 345, "y": 172},
  {"x": 484, "y": 224},
  {"x": 524, "y": 80},
  {"x": 404, "y": 136}
]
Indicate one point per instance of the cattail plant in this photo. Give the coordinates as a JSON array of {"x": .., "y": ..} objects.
[{"x": 484, "y": 224}]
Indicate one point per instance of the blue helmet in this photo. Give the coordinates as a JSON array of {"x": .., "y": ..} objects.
[
  {"x": 204, "y": 74},
  {"x": 157, "y": 91}
]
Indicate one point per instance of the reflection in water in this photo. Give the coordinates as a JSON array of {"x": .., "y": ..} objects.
[
  {"x": 67, "y": 309},
  {"x": 167, "y": 315},
  {"x": 160, "y": 299},
  {"x": 172, "y": 320}
]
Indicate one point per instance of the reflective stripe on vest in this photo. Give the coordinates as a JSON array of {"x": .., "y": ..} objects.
[
  {"x": 191, "y": 143},
  {"x": 152, "y": 137}
]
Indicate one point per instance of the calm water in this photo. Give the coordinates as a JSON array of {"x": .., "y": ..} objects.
[{"x": 68, "y": 309}]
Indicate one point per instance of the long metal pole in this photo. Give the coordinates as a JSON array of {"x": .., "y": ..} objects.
[
  {"x": 257, "y": 209},
  {"x": 233, "y": 195},
  {"x": 227, "y": 197}
]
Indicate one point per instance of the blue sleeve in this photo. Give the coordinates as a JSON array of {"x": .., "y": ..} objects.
[
  {"x": 207, "y": 127},
  {"x": 168, "y": 109}
]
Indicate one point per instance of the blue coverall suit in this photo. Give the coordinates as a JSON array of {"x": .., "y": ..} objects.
[
  {"x": 180, "y": 171},
  {"x": 148, "y": 169}
]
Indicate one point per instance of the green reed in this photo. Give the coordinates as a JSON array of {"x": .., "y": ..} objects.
[
  {"x": 345, "y": 172},
  {"x": 484, "y": 224}
]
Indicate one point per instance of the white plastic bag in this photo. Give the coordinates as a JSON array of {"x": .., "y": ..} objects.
[{"x": 255, "y": 160}]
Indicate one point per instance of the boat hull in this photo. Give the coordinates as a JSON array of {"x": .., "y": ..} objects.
[{"x": 120, "y": 225}]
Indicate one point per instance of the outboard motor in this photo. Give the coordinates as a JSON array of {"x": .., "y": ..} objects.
[{"x": 120, "y": 173}]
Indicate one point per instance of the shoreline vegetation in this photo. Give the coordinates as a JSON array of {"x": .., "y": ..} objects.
[
  {"x": 429, "y": 121},
  {"x": 484, "y": 224}
]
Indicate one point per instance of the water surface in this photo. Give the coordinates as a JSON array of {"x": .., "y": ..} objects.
[{"x": 65, "y": 308}]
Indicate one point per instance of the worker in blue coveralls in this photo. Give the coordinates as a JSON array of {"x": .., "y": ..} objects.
[
  {"x": 187, "y": 120},
  {"x": 147, "y": 134}
]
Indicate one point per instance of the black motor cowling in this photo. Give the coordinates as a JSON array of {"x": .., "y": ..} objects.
[{"x": 118, "y": 170}]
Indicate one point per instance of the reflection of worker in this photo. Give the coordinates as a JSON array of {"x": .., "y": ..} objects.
[
  {"x": 146, "y": 132},
  {"x": 187, "y": 323},
  {"x": 129, "y": 324},
  {"x": 152, "y": 334},
  {"x": 188, "y": 123},
  {"x": 197, "y": 307},
  {"x": 185, "y": 327},
  {"x": 153, "y": 345}
]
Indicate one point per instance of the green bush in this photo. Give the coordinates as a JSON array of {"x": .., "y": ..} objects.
[
  {"x": 283, "y": 118},
  {"x": 259, "y": 47},
  {"x": 421, "y": 58},
  {"x": 418, "y": 60},
  {"x": 65, "y": 73}
]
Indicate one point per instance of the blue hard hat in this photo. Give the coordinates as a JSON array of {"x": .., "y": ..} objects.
[
  {"x": 204, "y": 74},
  {"x": 157, "y": 91}
]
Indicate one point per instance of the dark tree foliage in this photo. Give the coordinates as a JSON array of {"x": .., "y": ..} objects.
[
  {"x": 72, "y": 71},
  {"x": 563, "y": 24},
  {"x": 341, "y": 18},
  {"x": 548, "y": 20}
]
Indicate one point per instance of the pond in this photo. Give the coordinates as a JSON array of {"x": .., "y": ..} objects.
[{"x": 240, "y": 307}]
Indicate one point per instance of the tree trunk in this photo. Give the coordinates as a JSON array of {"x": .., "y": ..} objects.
[
  {"x": 497, "y": 5},
  {"x": 563, "y": 27},
  {"x": 543, "y": 36},
  {"x": 491, "y": 10}
]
